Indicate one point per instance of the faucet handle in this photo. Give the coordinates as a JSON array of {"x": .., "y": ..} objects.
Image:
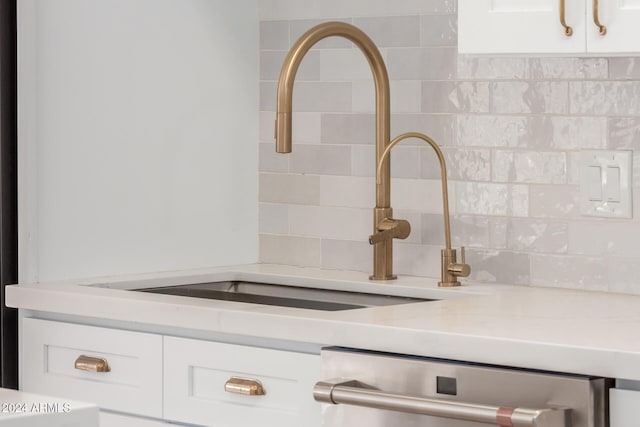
[
  {"x": 390, "y": 229},
  {"x": 460, "y": 270}
]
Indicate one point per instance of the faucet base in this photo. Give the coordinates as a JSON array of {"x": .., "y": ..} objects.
[{"x": 391, "y": 277}]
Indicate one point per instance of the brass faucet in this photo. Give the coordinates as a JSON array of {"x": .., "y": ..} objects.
[
  {"x": 385, "y": 227},
  {"x": 450, "y": 269}
]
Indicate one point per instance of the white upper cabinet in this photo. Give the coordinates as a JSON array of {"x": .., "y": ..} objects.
[{"x": 549, "y": 26}]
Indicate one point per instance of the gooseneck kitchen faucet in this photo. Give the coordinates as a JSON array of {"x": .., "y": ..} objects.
[{"x": 385, "y": 227}]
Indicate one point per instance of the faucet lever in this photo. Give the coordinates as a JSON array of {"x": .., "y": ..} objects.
[
  {"x": 459, "y": 270},
  {"x": 390, "y": 228}
]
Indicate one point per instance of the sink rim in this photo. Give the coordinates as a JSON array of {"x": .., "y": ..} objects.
[{"x": 302, "y": 297}]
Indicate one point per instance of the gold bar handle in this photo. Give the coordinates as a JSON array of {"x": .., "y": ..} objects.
[
  {"x": 568, "y": 31},
  {"x": 246, "y": 386},
  {"x": 602, "y": 30},
  {"x": 92, "y": 364}
]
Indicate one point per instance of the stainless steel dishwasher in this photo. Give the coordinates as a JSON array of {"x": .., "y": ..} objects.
[{"x": 384, "y": 390}]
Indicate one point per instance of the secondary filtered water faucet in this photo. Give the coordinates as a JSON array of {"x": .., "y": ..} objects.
[
  {"x": 450, "y": 268},
  {"x": 385, "y": 227}
]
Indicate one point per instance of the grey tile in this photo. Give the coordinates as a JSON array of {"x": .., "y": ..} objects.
[
  {"x": 554, "y": 201},
  {"x": 391, "y": 31},
  {"x": 569, "y": 272},
  {"x": 321, "y": 159},
  {"x": 348, "y": 129},
  {"x": 529, "y": 97},
  {"x": 492, "y": 131},
  {"x": 290, "y": 250},
  {"x": 622, "y": 274},
  {"x": 462, "y": 164},
  {"x": 624, "y": 68},
  {"x": 299, "y": 27},
  {"x": 440, "y": 127},
  {"x": 322, "y": 97},
  {"x": 274, "y": 35},
  {"x": 605, "y": 98},
  {"x": 455, "y": 97},
  {"x": 439, "y": 30},
  {"x": 273, "y": 218},
  {"x": 624, "y": 133},
  {"x": 426, "y": 63},
  {"x": 281, "y": 188},
  {"x": 478, "y": 198},
  {"x": 537, "y": 236},
  {"x": 568, "y": 68},
  {"x": 416, "y": 260},
  {"x": 604, "y": 237},
  {"x": 529, "y": 167},
  {"x": 270, "y": 161},
  {"x": 499, "y": 266},
  {"x": 467, "y": 231},
  {"x": 343, "y": 65},
  {"x": 491, "y": 68},
  {"x": 271, "y": 64},
  {"x": 347, "y": 255}
]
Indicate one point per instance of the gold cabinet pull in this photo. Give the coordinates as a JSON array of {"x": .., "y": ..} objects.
[
  {"x": 92, "y": 364},
  {"x": 247, "y": 386},
  {"x": 568, "y": 31},
  {"x": 602, "y": 30}
]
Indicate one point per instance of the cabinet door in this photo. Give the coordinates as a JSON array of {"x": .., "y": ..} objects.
[
  {"x": 196, "y": 374},
  {"x": 132, "y": 383},
  {"x": 108, "y": 419},
  {"x": 622, "y": 21},
  {"x": 624, "y": 407},
  {"x": 520, "y": 26}
]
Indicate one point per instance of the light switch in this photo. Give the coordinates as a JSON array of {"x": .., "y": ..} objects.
[
  {"x": 605, "y": 183},
  {"x": 613, "y": 184},
  {"x": 594, "y": 183}
]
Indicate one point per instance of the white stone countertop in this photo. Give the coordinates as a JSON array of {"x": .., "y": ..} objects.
[{"x": 541, "y": 328}]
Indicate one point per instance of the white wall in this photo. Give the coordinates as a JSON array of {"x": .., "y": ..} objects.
[{"x": 137, "y": 135}]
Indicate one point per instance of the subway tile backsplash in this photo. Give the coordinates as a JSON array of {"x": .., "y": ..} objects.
[{"x": 510, "y": 128}]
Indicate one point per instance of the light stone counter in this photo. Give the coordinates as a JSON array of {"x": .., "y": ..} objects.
[{"x": 561, "y": 330}]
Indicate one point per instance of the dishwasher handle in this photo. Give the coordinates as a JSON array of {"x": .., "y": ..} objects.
[{"x": 351, "y": 392}]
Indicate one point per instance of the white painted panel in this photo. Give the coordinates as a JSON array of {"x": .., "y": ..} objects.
[
  {"x": 518, "y": 26},
  {"x": 108, "y": 419},
  {"x": 195, "y": 373},
  {"x": 142, "y": 117},
  {"x": 624, "y": 407},
  {"x": 621, "y": 18},
  {"x": 521, "y": 5},
  {"x": 134, "y": 383},
  {"x": 629, "y": 4}
]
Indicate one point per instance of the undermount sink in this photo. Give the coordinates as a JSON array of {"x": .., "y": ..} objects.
[{"x": 283, "y": 296}]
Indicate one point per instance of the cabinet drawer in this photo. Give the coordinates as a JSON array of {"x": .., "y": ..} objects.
[
  {"x": 195, "y": 373},
  {"x": 132, "y": 384},
  {"x": 624, "y": 407}
]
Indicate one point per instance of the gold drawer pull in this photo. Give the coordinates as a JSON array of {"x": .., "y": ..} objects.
[
  {"x": 92, "y": 364},
  {"x": 568, "y": 31},
  {"x": 602, "y": 30},
  {"x": 246, "y": 386}
]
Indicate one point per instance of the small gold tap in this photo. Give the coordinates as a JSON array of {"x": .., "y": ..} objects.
[
  {"x": 450, "y": 268},
  {"x": 385, "y": 228}
]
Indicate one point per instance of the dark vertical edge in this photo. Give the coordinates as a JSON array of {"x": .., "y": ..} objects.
[{"x": 8, "y": 191}]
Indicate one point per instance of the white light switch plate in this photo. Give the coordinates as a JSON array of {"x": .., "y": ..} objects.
[{"x": 605, "y": 183}]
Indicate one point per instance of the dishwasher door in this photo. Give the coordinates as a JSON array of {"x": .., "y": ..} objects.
[{"x": 384, "y": 390}]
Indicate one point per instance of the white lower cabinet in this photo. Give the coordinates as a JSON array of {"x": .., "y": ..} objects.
[
  {"x": 154, "y": 380},
  {"x": 108, "y": 419},
  {"x": 132, "y": 383},
  {"x": 196, "y": 373},
  {"x": 624, "y": 407}
]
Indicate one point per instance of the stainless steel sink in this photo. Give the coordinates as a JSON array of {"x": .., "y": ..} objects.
[{"x": 283, "y": 296}]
